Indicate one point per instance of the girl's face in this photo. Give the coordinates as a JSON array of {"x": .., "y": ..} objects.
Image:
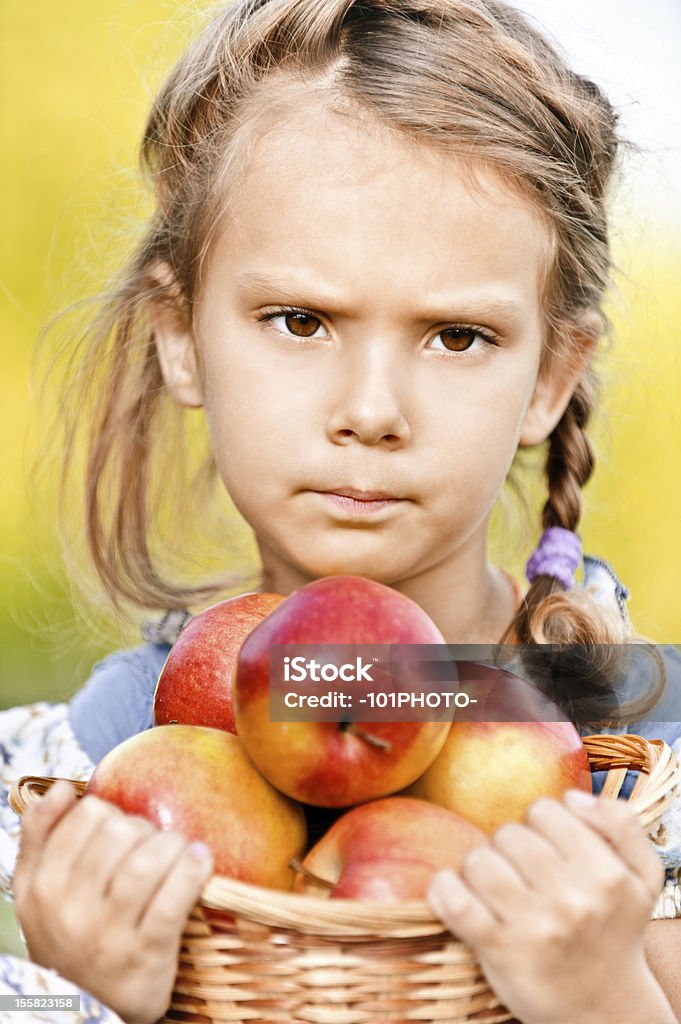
[{"x": 366, "y": 321}]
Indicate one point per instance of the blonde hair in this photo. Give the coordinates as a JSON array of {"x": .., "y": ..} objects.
[{"x": 470, "y": 76}]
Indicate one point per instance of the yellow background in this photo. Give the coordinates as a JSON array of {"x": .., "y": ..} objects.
[{"x": 76, "y": 82}]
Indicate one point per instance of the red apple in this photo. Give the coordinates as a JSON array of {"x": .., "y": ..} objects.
[
  {"x": 195, "y": 684},
  {"x": 490, "y": 771},
  {"x": 334, "y": 763},
  {"x": 200, "y": 782},
  {"x": 387, "y": 850}
]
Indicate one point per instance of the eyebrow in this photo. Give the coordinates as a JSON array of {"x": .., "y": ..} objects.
[{"x": 441, "y": 308}]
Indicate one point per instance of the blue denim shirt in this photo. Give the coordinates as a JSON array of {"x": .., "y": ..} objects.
[{"x": 117, "y": 700}]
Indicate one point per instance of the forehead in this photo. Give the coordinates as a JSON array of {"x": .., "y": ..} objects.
[{"x": 320, "y": 176}]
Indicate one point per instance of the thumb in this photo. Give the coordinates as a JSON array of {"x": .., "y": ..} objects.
[{"x": 39, "y": 820}]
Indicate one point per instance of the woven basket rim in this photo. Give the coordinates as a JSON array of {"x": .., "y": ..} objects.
[{"x": 408, "y": 918}]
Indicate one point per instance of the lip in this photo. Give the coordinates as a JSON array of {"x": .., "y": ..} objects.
[
  {"x": 362, "y": 507},
  {"x": 368, "y": 496}
]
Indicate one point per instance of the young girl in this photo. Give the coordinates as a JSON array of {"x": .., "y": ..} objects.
[{"x": 377, "y": 263}]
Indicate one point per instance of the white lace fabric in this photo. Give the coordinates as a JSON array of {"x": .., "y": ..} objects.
[
  {"x": 34, "y": 740},
  {"x": 26, "y": 980}
]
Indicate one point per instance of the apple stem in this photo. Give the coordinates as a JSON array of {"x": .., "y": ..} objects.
[
  {"x": 375, "y": 741},
  {"x": 306, "y": 873}
]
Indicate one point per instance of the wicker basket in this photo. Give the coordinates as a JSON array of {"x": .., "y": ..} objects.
[{"x": 285, "y": 957}]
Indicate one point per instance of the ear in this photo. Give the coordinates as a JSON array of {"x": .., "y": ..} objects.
[
  {"x": 558, "y": 377},
  {"x": 174, "y": 339}
]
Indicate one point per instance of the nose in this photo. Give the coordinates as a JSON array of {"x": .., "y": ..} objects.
[{"x": 368, "y": 399}]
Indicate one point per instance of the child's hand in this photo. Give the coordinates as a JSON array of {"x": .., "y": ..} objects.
[
  {"x": 102, "y": 897},
  {"x": 556, "y": 911}
]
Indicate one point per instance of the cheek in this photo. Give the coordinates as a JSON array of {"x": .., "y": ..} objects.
[
  {"x": 484, "y": 414},
  {"x": 476, "y": 430},
  {"x": 252, "y": 418},
  {"x": 247, "y": 370}
]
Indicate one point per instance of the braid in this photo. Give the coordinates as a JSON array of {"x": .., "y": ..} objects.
[
  {"x": 595, "y": 639},
  {"x": 549, "y": 614},
  {"x": 570, "y": 461}
]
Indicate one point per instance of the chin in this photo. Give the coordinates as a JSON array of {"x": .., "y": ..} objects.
[{"x": 344, "y": 559}]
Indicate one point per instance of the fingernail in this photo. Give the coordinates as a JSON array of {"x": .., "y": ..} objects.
[
  {"x": 444, "y": 892},
  {"x": 443, "y": 880},
  {"x": 580, "y": 800},
  {"x": 199, "y": 851}
]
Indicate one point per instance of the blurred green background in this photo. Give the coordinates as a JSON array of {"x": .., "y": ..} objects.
[{"x": 76, "y": 82}]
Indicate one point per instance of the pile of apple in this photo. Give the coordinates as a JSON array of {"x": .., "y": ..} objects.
[{"x": 403, "y": 799}]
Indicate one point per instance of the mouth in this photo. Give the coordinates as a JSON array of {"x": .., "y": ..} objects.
[
  {"x": 368, "y": 496},
  {"x": 359, "y": 503}
]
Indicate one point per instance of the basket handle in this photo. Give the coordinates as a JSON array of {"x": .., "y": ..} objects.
[
  {"x": 659, "y": 782},
  {"x": 28, "y": 790},
  {"x": 657, "y": 787}
]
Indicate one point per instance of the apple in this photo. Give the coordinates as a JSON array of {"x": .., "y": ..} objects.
[
  {"x": 490, "y": 771},
  {"x": 334, "y": 763},
  {"x": 200, "y": 782},
  {"x": 195, "y": 684},
  {"x": 502, "y": 696},
  {"x": 387, "y": 850}
]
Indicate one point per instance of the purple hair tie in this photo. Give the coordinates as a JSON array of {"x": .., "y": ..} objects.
[{"x": 558, "y": 554}]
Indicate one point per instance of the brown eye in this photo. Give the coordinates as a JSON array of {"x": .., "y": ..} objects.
[
  {"x": 301, "y": 324},
  {"x": 458, "y": 339}
]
